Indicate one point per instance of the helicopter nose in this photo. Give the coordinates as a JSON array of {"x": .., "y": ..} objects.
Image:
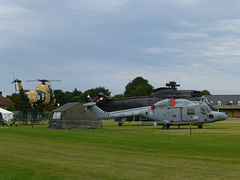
[{"x": 220, "y": 116}]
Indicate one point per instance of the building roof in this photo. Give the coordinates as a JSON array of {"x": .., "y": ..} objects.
[
  {"x": 223, "y": 99},
  {"x": 4, "y": 101}
]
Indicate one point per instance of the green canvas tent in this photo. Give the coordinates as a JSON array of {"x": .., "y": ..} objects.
[{"x": 73, "y": 116}]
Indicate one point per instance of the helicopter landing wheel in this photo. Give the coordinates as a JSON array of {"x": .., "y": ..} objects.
[
  {"x": 166, "y": 126},
  {"x": 119, "y": 124},
  {"x": 200, "y": 126}
]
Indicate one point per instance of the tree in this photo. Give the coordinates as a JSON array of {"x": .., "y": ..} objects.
[
  {"x": 140, "y": 91},
  {"x": 65, "y": 97},
  {"x": 138, "y": 87},
  {"x": 94, "y": 93},
  {"x": 117, "y": 96},
  {"x": 76, "y": 92},
  {"x": 61, "y": 97},
  {"x": 18, "y": 102},
  {"x": 206, "y": 92}
]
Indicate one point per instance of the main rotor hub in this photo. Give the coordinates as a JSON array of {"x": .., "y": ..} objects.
[{"x": 172, "y": 84}]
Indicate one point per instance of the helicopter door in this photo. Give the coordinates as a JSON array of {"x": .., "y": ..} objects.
[
  {"x": 174, "y": 114},
  {"x": 190, "y": 114}
]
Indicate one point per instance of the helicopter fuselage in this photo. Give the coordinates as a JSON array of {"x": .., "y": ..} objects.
[{"x": 42, "y": 95}]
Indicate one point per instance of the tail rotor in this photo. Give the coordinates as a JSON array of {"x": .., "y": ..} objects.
[
  {"x": 16, "y": 81},
  {"x": 89, "y": 97},
  {"x": 100, "y": 99}
]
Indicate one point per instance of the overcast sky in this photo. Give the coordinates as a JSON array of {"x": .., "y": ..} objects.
[{"x": 92, "y": 43}]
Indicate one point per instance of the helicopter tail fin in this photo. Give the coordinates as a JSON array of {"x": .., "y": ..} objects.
[
  {"x": 19, "y": 83},
  {"x": 96, "y": 111}
]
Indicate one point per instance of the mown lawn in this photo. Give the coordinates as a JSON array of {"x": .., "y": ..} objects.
[{"x": 127, "y": 152}]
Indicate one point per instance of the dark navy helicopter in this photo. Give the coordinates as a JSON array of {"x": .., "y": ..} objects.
[{"x": 168, "y": 92}]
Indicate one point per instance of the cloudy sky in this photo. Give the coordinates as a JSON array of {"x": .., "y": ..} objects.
[{"x": 92, "y": 43}]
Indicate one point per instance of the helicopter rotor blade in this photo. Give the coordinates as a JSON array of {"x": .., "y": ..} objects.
[
  {"x": 43, "y": 81},
  {"x": 100, "y": 99},
  {"x": 15, "y": 84},
  {"x": 49, "y": 81},
  {"x": 89, "y": 97},
  {"x": 14, "y": 81}
]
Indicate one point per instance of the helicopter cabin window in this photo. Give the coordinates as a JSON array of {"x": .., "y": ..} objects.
[
  {"x": 190, "y": 111},
  {"x": 56, "y": 115}
]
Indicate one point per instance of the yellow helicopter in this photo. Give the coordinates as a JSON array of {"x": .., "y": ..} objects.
[{"x": 42, "y": 95}]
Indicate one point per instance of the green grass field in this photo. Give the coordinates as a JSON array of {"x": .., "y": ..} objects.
[{"x": 127, "y": 152}]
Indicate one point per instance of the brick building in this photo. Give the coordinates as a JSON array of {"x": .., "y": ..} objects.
[{"x": 4, "y": 102}]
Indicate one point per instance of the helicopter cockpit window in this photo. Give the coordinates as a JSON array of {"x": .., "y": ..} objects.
[
  {"x": 208, "y": 109},
  {"x": 56, "y": 115},
  {"x": 203, "y": 110}
]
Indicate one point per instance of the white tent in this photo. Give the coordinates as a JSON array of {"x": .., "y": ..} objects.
[{"x": 7, "y": 115}]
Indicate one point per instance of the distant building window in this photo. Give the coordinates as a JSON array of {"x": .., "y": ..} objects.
[
  {"x": 231, "y": 102},
  {"x": 219, "y": 103},
  {"x": 239, "y": 103},
  {"x": 211, "y": 102}
]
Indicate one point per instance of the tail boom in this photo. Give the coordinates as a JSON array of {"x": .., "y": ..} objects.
[{"x": 96, "y": 111}]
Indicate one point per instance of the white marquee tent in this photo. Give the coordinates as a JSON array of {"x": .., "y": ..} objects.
[{"x": 7, "y": 115}]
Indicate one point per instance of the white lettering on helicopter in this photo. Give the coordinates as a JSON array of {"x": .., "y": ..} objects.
[
  {"x": 43, "y": 96},
  {"x": 195, "y": 117}
]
